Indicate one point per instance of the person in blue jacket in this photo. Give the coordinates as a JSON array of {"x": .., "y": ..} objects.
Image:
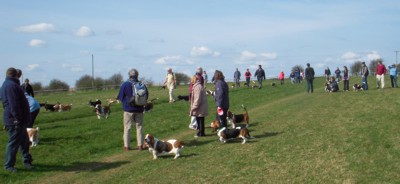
[
  {"x": 393, "y": 75},
  {"x": 16, "y": 117},
  {"x": 34, "y": 109}
]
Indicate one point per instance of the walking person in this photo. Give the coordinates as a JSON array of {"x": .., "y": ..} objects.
[
  {"x": 132, "y": 113},
  {"x": 380, "y": 75},
  {"x": 236, "y": 77},
  {"x": 199, "y": 106},
  {"x": 247, "y": 76},
  {"x": 260, "y": 74},
  {"x": 281, "y": 77},
  {"x": 170, "y": 82},
  {"x": 221, "y": 97},
  {"x": 310, "y": 78},
  {"x": 346, "y": 79},
  {"x": 364, "y": 75},
  {"x": 393, "y": 75},
  {"x": 16, "y": 118}
]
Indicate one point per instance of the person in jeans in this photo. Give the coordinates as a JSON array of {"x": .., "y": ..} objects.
[
  {"x": 364, "y": 76},
  {"x": 16, "y": 117},
  {"x": 260, "y": 74},
  {"x": 393, "y": 75},
  {"x": 380, "y": 75},
  {"x": 310, "y": 78},
  {"x": 132, "y": 114}
]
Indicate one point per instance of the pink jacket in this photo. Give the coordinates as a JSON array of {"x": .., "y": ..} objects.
[{"x": 281, "y": 76}]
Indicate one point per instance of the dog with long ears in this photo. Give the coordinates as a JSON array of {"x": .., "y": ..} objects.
[
  {"x": 225, "y": 134},
  {"x": 357, "y": 87},
  {"x": 158, "y": 147},
  {"x": 234, "y": 119}
]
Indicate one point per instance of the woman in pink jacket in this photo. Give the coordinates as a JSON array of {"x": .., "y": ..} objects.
[
  {"x": 199, "y": 106},
  {"x": 281, "y": 77}
]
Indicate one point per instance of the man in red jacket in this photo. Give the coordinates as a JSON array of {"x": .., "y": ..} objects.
[{"x": 380, "y": 75}]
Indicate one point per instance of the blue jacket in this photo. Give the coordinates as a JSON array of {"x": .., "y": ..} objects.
[
  {"x": 221, "y": 96},
  {"x": 33, "y": 103},
  {"x": 16, "y": 107},
  {"x": 393, "y": 71},
  {"x": 125, "y": 94}
]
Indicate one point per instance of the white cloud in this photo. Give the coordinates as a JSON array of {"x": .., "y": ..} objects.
[
  {"x": 32, "y": 67},
  {"x": 73, "y": 68},
  {"x": 247, "y": 55},
  {"x": 373, "y": 55},
  {"x": 350, "y": 56},
  {"x": 119, "y": 46},
  {"x": 42, "y": 27},
  {"x": 37, "y": 43},
  {"x": 269, "y": 55},
  {"x": 172, "y": 60},
  {"x": 203, "y": 51},
  {"x": 84, "y": 31}
]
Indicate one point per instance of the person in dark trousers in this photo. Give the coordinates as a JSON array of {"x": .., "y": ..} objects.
[
  {"x": 236, "y": 76},
  {"x": 327, "y": 73},
  {"x": 260, "y": 74},
  {"x": 16, "y": 118},
  {"x": 199, "y": 106},
  {"x": 28, "y": 88},
  {"x": 364, "y": 75},
  {"x": 34, "y": 109},
  {"x": 221, "y": 97},
  {"x": 247, "y": 75},
  {"x": 310, "y": 78},
  {"x": 346, "y": 79}
]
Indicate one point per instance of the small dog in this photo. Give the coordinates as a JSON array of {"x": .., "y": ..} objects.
[
  {"x": 48, "y": 107},
  {"x": 33, "y": 134},
  {"x": 235, "y": 119},
  {"x": 94, "y": 103},
  {"x": 215, "y": 125},
  {"x": 210, "y": 93},
  {"x": 180, "y": 97},
  {"x": 149, "y": 105},
  {"x": 254, "y": 86},
  {"x": 158, "y": 147},
  {"x": 64, "y": 107},
  {"x": 225, "y": 134},
  {"x": 273, "y": 84},
  {"x": 102, "y": 111},
  {"x": 357, "y": 87}
]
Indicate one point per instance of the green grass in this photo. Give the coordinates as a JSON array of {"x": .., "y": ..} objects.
[{"x": 344, "y": 137}]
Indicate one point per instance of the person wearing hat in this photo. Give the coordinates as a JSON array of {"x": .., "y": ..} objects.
[
  {"x": 310, "y": 78},
  {"x": 393, "y": 75},
  {"x": 199, "y": 103},
  {"x": 364, "y": 76},
  {"x": 170, "y": 82},
  {"x": 16, "y": 118}
]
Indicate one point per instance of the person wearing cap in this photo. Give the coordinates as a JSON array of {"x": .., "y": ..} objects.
[
  {"x": 260, "y": 74},
  {"x": 199, "y": 104},
  {"x": 28, "y": 88},
  {"x": 310, "y": 78},
  {"x": 170, "y": 82},
  {"x": 380, "y": 75},
  {"x": 364, "y": 76},
  {"x": 16, "y": 117},
  {"x": 221, "y": 97},
  {"x": 132, "y": 114},
  {"x": 393, "y": 75}
]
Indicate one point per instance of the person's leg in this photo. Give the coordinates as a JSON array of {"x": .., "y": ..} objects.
[
  {"x": 33, "y": 118},
  {"x": 383, "y": 81},
  {"x": 222, "y": 118},
  {"x": 12, "y": 147},
  {"x": 127, "y": 129},
  {"x": 395, "y": 81},
  {"x": 138, "y": 118},
  {"x": 312, "y": 85},
  {"x": 24, "y": 147}
]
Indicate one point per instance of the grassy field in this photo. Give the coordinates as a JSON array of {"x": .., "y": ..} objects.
[{"x": 344, "y": 137}]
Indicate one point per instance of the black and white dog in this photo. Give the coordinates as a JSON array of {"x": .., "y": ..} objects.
[{"x": 225, "y": 134}]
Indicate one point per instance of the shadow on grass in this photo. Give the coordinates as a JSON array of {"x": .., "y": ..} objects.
[
  {"x": 80, "y": 166},
  {"x": 267, "y": 134}
]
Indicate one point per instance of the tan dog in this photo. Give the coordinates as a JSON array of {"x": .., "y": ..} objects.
[
  {"x": 33, "y": 134},
  {"x": 158, "y": 147}
]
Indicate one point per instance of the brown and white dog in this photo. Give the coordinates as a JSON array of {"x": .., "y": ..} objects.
[
  {"x": 158, "y": 147},
  {"x": 215, "y": 125},
  {"x": 239, "y": 118},
  {"x": 33, "y": 134},
  {"x": 102, "y": 111},
  {"x": 357, "y": 87},
  {"x": 254, "y": 86},
  {"x": 62, "y": 107},
  {"x": 226, "y": 134}
]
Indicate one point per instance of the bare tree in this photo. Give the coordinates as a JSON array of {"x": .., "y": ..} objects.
[{"x": 355, "y": 68}]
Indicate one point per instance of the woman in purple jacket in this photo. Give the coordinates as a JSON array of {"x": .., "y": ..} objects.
[{"x": 221, "y": 97}]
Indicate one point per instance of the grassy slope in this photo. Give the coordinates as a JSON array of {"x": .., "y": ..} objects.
[{"x": 347, "y": 137}]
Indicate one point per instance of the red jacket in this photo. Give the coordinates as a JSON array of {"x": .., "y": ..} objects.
[{"x": 380, "y": 69}]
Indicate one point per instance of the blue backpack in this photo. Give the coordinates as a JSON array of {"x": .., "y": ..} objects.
[{"x": 139, "y": 94}]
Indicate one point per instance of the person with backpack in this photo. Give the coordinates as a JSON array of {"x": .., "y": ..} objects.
[
  {"x": 364, "y": 76},
  {"x": 170, "y": 82},
  {"x": 133, "y": 94}
]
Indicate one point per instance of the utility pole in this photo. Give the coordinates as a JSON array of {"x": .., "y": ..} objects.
[
  {"x": 396, "y": 55},
  {"x": 92, "y": 72}
]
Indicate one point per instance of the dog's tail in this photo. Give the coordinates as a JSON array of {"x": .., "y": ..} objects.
[{"x": 245, "y": 109}]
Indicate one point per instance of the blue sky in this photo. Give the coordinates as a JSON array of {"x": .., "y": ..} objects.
[{"x": 55, "y": 39}]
